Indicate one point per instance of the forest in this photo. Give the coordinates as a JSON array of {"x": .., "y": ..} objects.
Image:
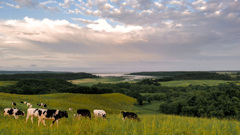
[
  {"x": 221, "y": 101},
  {"x": 46, "y": 75}
]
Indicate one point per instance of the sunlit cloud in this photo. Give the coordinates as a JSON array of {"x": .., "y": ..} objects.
[{"x": 115, "y": 34}]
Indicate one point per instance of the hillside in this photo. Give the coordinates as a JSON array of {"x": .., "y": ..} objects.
[{"x": 112, "y": 103}]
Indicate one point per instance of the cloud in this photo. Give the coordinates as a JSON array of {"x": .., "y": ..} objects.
[
  {"x": 27, "y": 3},
  {"x": 9, "y": 4},
  {"x": 118, "y": 33}
]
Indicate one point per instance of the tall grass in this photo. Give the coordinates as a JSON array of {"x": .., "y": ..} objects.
[{"x": 114, "y": 125}]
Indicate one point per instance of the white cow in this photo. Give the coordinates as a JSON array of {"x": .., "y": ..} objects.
[
  {"x": 29, "y": 105},
  {"x": 33, "y": 112},
  {"x": 99, "y": 113}
]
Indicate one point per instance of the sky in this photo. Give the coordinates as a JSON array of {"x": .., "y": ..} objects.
[{"x": 119, "y": 35}]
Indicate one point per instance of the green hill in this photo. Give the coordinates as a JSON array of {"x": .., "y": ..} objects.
[{"x": 111, "y": 103}]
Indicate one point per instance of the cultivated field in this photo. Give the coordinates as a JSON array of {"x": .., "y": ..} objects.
[
  {"x": 5, "y": 83},
  {"x": 185, "y": 83},
  {"x": 150, "y": 124},
  {"x": 92, "y": 81}
]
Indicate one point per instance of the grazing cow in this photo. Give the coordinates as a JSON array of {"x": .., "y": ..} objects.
[
  {"x": 29, "y": 105},
  {"x": 70, "y": 109},
  {"x": 13, "y": 112},
  {"x": 25, "y": 102},
  {"x": 34, "y": 112},
  {"x": 14, "y": 104},
  {"x": 21, "y": 102},
  {"x": 42, "y": 105},
  {"x": 129, "y": 115},
  {"x": 84, "y": 113},
  {"x": 55, "y": 115},
  {"x": 99, "y": 113}
]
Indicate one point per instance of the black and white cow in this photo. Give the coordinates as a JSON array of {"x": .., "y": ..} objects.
[
  {"x": 130, "y": 115},
  {"x": 54, "y": 115},
  {"x": 83, "y": 113},
  {"x": 99, "y": 113},
  {"x": 14, "y": 104},
  {"x": 34, "y": 112},
  {"x": 42, "y": 105},
  {"x": 13, "y": 112}
]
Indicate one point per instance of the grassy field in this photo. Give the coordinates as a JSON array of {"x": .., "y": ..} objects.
[
  {"x": 150, "y": 124},
  {"x": 113, "y": 125},
  {"x": 92, "y": 81},
  {"x": 5, "y": 83},
  {"x": 185, "y": 83}
]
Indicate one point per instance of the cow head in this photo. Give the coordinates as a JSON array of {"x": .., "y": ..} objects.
[{"x": 123, "y": 112}]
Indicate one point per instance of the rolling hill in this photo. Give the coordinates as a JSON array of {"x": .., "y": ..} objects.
[{"x": 112, "y": 103}]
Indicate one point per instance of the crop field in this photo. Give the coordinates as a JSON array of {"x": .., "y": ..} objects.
[
  {"x": 150, "y": 124},
  {"x": 92, "y": 81},
  {"x": 5, "y": 83},
  {"x": 185, "y": 83}
]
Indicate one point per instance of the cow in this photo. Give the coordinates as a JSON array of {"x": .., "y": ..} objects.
[
  {"x": 70, "y": 109},
  {"x": 14, "y": 104},
  {"x": 29, "y": 105},
  {"x": 13, "y": 112},
  {"x": 84, "y": 113},
  {"x": 42, "y": 105},
  {"x": 34, "y": 112},
  {"x": 21, "y": 102},
  {"x": 54, "y": 115},
  {"x": 130, "y": 115},
  {"x": 99, "y": 113}
]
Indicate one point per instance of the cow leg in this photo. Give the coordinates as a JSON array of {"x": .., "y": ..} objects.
[
  {"x": 53, "y": 122},
  {"x": 27, "y": 118},
  {"x": 32, "y": 119},
  {"x": 57, "y": 122},
  {"x": 44, "y": 123},
  {"x": 39, "y": 120}
]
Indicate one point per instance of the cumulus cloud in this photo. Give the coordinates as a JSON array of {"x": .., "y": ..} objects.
[{"x": 138, "y": 32}]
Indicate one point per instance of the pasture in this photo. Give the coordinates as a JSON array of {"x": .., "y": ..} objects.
[
  {"x": 185, "y": 83},
  {"x": 6, "y": 83},
  {"x": 92, "y": 81},
  {"x": 152, "y": 123},
  {"x": 114, "y": 125}
]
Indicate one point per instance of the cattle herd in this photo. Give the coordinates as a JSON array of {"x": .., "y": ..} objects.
[{"x": 44, "y": 114}]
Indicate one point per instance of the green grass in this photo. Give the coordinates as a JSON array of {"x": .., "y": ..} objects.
[
  {"x": 112, "y": 103},
  {"x": 185, "y": 83},
  {"x": 92, "y": 81},
  {"x": 113, "y": 125},
  {"x": 150, "y": 124},
  {"x": 6, "y": 83}
]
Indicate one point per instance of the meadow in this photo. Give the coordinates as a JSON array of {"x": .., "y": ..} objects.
[
  {"x": 151, "y": 123},
  {"x": 92, "y": 81},
  {"x": 6, "y": 83},
  {"x": 185, "y": 83}
]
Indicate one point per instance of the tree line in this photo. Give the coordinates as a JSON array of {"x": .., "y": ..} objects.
[{"x": 41, "y": 76}]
